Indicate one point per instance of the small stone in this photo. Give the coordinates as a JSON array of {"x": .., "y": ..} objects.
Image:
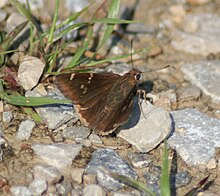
[
  {"x": 145, "y": 130},
  {"x": 76, "y": 192},
  {"x": 188, "y": 93},
  {"x": 94, "y": 138},
  {"x": 77, "y": 174},
  {"x": 211, "y": 164},
  {"x": 89, "y": 179},
  {"x": 111, "y": 161},
  {"x": 25, "y": 129},
  {"x": 93, "y": 189},
  {"x": 63, "y": 188},
  {"x": 59, "y": 155},
  {"x": 30, "y": 71},
  {"x": 48, "y": 173},
  {"x": 123, "y": 194},
  {"x": 38, "y": 187},
  {"x": 7, "y": 117},
  {"x": 77, "y": 133},
  {"x": 166, "y": 99},
  {"x": 140, "y": 160},
  {"x": 20, "y": 190},
  {"x": 86, "y": 142}
]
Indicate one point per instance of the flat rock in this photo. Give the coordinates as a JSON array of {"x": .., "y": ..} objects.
[
  {"x": 53, "y": 115},
  {"x": 30, "y": 71},
  {"x": 201, "y": 35},
  {"x": 58, "y": 155},
  {"x": 195, "y": 136},
  {"x": 111, "y": 161},
  {"x": 148, "y": 129},
  {"x": 206, "y": 76}
]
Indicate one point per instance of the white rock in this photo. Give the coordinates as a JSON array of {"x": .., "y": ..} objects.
[
  {"x": 30, "y": 71},
  {"x": 146, "y": 133}
]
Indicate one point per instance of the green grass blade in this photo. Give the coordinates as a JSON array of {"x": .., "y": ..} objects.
[
  {"x": 165, "y": 176},
  {"x": 81, "y": 51},
  {"x": 113, "y": 14},
  {"x": 19, "y": 100},
  {"x": 70, "y": 28},
  {"x": 112, "y": 21},
  {"x": 54, "y": 21},
  {"x": 31, "y": 113}
]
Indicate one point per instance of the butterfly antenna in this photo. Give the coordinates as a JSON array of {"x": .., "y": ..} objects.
[{"x": 132, "y": 54}]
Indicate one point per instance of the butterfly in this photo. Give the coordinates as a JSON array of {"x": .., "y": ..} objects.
[{"x": 103, "y": 101}]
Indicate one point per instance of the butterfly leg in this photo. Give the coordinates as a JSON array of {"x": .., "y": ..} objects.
[{"x": 140, "y": 93}]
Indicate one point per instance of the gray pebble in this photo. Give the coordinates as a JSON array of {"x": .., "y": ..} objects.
[
  {"x": 140, "y": 160},
  {"x": 7, "y": 117},
  {"x": 25, "y": 129}
]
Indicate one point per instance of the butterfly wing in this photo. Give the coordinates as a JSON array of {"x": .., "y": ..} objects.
[{"x": 104, "y": 101}]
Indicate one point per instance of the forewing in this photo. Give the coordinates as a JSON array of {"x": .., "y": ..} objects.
[{"x": 85, "y": 89}]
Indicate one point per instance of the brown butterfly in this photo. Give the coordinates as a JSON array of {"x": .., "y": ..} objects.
[{"x": 103, "y": 100}]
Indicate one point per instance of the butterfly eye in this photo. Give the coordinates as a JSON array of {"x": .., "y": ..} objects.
[{"x": 137, "y": 76}]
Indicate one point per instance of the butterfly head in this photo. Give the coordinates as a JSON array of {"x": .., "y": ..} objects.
[{"x": 136, "y": 74}]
